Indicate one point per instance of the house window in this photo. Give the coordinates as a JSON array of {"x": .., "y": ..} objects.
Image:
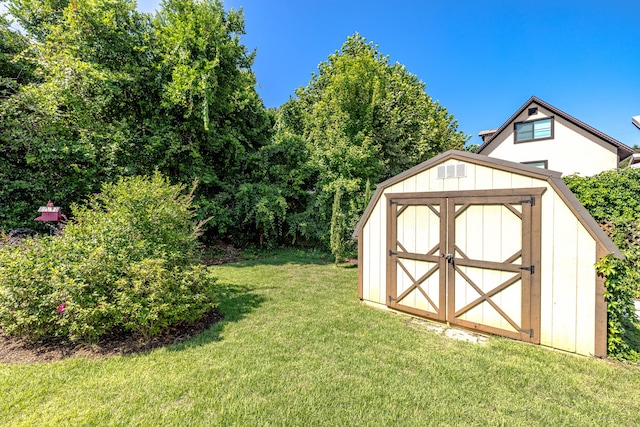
[
  {"x": 544, "y": 164},
  {"x": 534, "y": 130},
  {"x": 533, "y": 111}
]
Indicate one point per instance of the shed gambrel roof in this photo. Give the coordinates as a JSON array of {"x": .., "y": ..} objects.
[
  {"x": 553, "y": 178},
  {"x": 624, "y": 151}
]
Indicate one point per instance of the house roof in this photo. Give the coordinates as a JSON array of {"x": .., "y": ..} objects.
[
  {"x": 624, "y": 151},
  {"x": 554, "y": 179}
]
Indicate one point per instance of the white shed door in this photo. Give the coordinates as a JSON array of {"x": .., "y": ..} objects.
[
  {"x": 468, "y": 259},
  {"x": 418, "y": 271}
]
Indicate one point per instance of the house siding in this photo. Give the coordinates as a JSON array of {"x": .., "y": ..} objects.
[{"x": 571, "y": 150}]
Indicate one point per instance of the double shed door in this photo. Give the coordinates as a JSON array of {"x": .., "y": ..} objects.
[{"x": 468, "y": 258}]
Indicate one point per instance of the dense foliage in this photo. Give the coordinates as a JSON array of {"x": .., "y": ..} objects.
[
  {"x": 118, "y": 92},
  {"x": 362, "y": 120},
  {"x": 612, "y": 195},
  {"x": 94, "y": 90},
  {"x": 613, "y": 199},
  {"x": 14, "y": 70},
  {"x": 128, "y": 261},
  {"x": 621, "y": 319}
]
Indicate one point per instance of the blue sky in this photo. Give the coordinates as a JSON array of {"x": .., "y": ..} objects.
[{"x": 480, "y": 59}]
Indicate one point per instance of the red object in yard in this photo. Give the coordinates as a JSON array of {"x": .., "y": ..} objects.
[{"x": 49, "y": 213}]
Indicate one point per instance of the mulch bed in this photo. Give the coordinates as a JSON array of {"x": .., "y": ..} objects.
[
  {"x": 19, "y": 350},
  {"x": 224, "y": 253}
]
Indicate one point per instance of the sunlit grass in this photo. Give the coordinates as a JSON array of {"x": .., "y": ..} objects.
[{"x": 297, "y": 348}]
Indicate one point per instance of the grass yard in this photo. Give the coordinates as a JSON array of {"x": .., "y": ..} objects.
[{"x": 297, "y": 348}]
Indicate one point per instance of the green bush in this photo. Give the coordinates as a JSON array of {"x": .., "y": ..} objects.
[
  {"x": 621, "y": 318},
  {"x": 127, "y": 261},
  {"x": 612, "y": 195},
  {"x": 613, "y": 199}
]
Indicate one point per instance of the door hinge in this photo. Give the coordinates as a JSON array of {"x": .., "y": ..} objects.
[
  {"x": 528, "y": 332},
  {"x": 391, "y": 299},
  {"x": 531, "y": 269},
  {"x": 392, "y": 202},
  {"x": 391, "y": 253},
  {"x": 531, "y": 201}
]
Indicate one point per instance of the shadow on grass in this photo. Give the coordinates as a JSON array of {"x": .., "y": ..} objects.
[{"x": 234, "y": 302}]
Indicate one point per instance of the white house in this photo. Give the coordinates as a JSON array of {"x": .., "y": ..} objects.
[{"x": 539, "y": 134}]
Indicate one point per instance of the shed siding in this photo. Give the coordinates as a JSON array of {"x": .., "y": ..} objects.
[
  {"x": 374, "y": 248},
  {"x": 567, "y": 281},
  {"x": 586, "y": 297},
  {"x": 564, "y": 278}
]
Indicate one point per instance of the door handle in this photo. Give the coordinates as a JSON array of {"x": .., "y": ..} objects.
[{"x": 450, "y": 259}]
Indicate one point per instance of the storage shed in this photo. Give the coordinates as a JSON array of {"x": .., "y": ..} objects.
[{"x": 490, "y": 245}]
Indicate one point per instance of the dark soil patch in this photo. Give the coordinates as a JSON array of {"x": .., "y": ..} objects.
[
  {"x": 221, "y": 253},
  {"x": 19, "y": 350}
]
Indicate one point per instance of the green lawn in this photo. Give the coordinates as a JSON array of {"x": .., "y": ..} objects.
[{"x": 297, "y": 348}]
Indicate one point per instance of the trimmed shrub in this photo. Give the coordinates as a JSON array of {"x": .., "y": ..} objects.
[{"x": 127, "y": 261}]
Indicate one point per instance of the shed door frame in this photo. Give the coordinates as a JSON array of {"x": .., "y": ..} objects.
[
  {"x": 398, "y": 256},
  {"x": 443, "y": 205}
]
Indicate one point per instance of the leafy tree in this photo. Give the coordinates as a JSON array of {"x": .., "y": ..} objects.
[
  {"x": 37, "y": 17},
  {"x": 98, "y": 90},
  {"x": 14, "y": 70},
  {"x": 276, "y": 190},
  {"x": 118, "y": 92},
  {"x": 613, "y": 199},
  {"x": 67, "y": 130},
  {"x": 220, "y": 122},
  {"x": 363, "y": 119}
]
